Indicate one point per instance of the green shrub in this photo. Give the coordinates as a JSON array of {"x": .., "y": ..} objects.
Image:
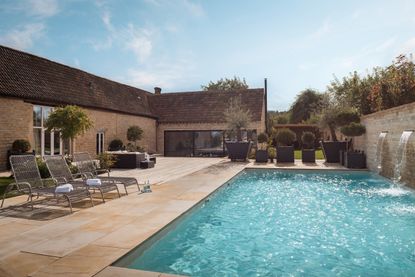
[
  {"x": 116, "y": 145},
  {"x": 43, "y": 169},
  {"x": 346, "y": 117},
  {"x": 272, "y": 153},
  {"x": 106, "y": 160},
  {"x": 308, "y": 139},
  {"x": 353, "y": 129},
  {"x": 285, "y": 137},
  {"x": 21, "y": 145}
]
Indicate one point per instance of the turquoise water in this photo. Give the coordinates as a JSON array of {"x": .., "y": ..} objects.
[{"x": 283, "y": 223}]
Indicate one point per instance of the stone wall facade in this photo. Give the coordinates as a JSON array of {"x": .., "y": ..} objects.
[
  {"x": 16, "y": 122},
  {"x": 115, "y": 126},
  {"x": 394, "y": 121}
]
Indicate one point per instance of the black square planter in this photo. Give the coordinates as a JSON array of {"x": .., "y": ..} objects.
[
  {"x": 331, "y": 150},
  {"x": 355, "y": 160},
  {"x": 285, "y": 154},
  {"x": 308, "y": 156},
  {"x": 238, "y": 151},
  {"x": 261, "y": 156}
]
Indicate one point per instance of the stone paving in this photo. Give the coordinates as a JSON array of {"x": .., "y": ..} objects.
[{"x": 50, "y": 242}]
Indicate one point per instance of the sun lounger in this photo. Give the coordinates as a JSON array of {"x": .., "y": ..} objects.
[
  {"x": 60, "y": 171},
  {"x": 87, "y": 167},
  {"x": 28, "y": 181}
]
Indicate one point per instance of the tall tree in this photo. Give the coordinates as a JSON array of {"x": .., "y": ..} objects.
[
  {"x": 226, "y": 84},
  {"x": 70, "y": 121},
  {"x": 306, "y": 104}
]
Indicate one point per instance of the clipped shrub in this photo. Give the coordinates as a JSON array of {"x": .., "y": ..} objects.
[
  {"x": 21, "y": 145},
  {"x": 262, "y": 138},
  {"x": 308, "y": 139},
  {"x": 353, "y": 129},
  {"x": 346, "y": 117},
  {"x": 116, "y": 145},
  {"x": 285, "y": 137},
  {"x": 43, "y": 169}
]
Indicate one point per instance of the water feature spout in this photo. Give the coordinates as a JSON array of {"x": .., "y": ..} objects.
[
  {"x": 401, "y": 153},
  {"x": 379, "y": 151}
]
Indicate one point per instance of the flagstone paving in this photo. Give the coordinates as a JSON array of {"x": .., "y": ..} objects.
[{"x": 49, "y": 241}]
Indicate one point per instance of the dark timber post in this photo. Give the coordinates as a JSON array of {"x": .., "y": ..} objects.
[{"x": 266, "y": 104}]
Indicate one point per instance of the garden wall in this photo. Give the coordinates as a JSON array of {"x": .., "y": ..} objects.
[{"x": 394, "y": 121}]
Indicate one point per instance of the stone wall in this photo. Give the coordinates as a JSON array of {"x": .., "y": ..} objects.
[
  {"x": 115, "y": 126},
  {"x": 394, "y": 121},
  {"x": 16, "y": 122}
]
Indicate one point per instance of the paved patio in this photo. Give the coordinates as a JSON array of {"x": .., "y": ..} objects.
[{"x": 50, "y": 242}]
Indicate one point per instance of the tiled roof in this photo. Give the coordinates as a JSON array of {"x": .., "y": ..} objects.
[
  {"x": 40, "y": 80},
  {"x": 203, "y": 106}
]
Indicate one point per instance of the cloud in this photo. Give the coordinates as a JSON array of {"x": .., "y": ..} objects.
[
  {"x": 138, "y": 40},
  {"x": 323, "y": 30},
  {"x": 43, "y": 8},
  {"x": 76, "y": 63},
  {"x": 307, "y": 66},
  {"x": 408, "y": 47},
  {"x": 106, "y": 18},
  {"x": 23, "y": 38},
  {"x": 387, "y": 44},
  {"x": 170, "y": 74},
  {"x": 195, "y": 9}
]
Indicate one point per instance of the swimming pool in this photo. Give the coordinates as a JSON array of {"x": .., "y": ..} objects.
[{"x": 300, "y": 223}]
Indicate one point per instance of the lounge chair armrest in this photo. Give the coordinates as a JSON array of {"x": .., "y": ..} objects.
[
  {"x": 102, "y": 170},
  {"x": 77, "y": 175},
  {"x": 60, "y": 180},
  {"x": 18, "y": 185},
  {"x": 87, "y": 175}
]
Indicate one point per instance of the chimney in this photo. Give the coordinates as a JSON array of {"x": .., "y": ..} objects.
[{"x": 157, "y": 91}]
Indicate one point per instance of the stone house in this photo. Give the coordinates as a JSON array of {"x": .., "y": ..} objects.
[{"x": 174, "y": 124}]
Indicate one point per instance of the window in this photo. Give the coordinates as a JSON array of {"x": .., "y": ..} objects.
[
  {"x": 194, "y": 143},
  {"x": 100, "y": 142},
  {"x": 46, "y": 143}
]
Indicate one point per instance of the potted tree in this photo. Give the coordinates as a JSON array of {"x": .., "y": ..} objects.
[
  {"x": 237, "y": 119},
  {"x": 354, "y": 159},
  {"x": 261, "y": 155},
  {"x": 134, "y": 133},
  {"x": 285, "y": 149},
  {"x": 333, "y": 118},
  {"x": 308, "y": 153}
]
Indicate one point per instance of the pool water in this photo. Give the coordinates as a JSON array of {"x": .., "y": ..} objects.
[{"x": 292, "y": 223}]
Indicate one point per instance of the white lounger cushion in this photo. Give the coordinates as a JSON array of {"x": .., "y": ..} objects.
[
  {"x": 64, "y": 188},
  {"x": 93, "y": 182}
]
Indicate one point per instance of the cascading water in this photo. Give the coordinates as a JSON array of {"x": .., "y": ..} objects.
[
  {"x": 379, "y": 151},
  {"x": 400, "y": 163}
]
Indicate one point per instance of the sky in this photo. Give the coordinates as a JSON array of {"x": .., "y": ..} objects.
[{"x": 180, "y": 45}]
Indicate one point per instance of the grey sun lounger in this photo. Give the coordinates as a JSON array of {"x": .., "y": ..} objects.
[
  {"x": 60, "y": 171},
  {"x": 28, "y": 180},
  {"x": 87, "y": 167}
]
